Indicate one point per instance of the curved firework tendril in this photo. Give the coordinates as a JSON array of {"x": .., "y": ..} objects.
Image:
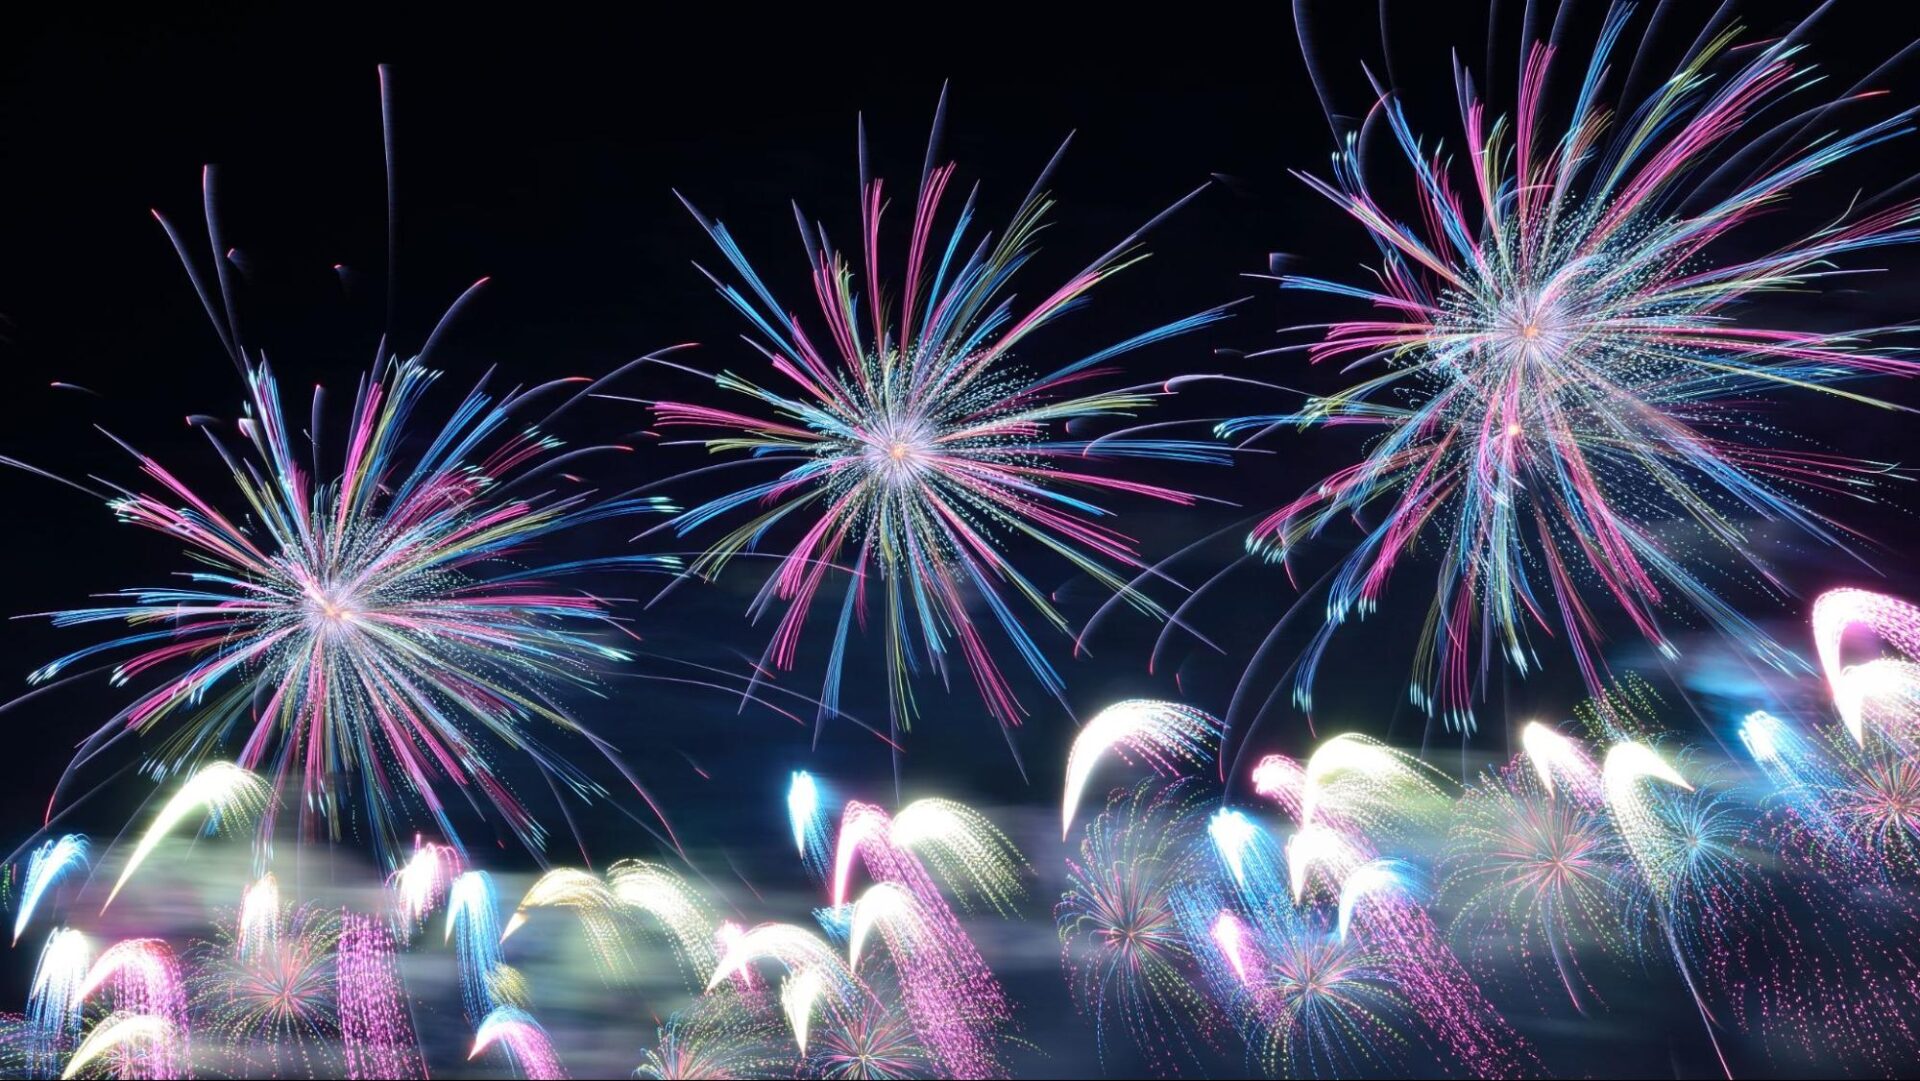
[
  {"x": 913, "y": 447},
  {"x": 951, "y": 996},
  {"x": 1562, "y": 402},
  {"x": 1854, "y": 688},
  {"x": 52, "y": 862}
]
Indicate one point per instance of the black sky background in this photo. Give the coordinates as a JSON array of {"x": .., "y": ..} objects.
[{"x": 545, "y": 156}]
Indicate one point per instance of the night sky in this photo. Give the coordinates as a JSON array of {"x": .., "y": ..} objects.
[{"x": 544, "y": 154}]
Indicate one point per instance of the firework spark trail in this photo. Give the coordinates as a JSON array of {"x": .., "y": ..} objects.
[
  {"x": 473, "y": 918},
  {"x": 976, "y": 861},
  {"x": 1560, "y": 762},
  {"x": 1282, "y": 779},
  {"x": 892, "y": 911},
  {"x": 1306, "y": 1003},
  {"x": 1563, "y": 404},
  {"x": 525, "y": 1042},
  {"x": 1168, "y": 737},
  {"x": 914, "y": 448},
  {"x": 1375, "y": 906},
  {"x": 130, "y": 1040},
  {"x": 1660, "y": 860},
  {"x": 56, "y": 999},
  {"x": 680, "y": 910},
  {"x": 144, "y": 979},
  {"x": 375, "y": 631},
  {"x": 223, "y": 790},
  {"x": 1834, "y": 612},
  {"x": 807, "y": 814},
  {"x": 868, "y": 1042},
  {"x": 422, "y": 884},
  {"x": 1358, "y": 784},
  {"x": 602, "y": 915},
  {"x": 53, "y": 861},
  {"x": 720, "y": 1036},
  {"x": 1533, "y": 873},
  {"x": 376, "y": 1025},
  {"x": 800, "y": 995},
  {"x": 952, "y": 996}
]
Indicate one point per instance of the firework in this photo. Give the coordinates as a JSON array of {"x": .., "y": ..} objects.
[
  {"x": 799, "y": 995},
  {"x": 917, "y": 443},
  {"x": 1128, "y": 960},
  {"x": 55, "y": 1000},
  {"x": 473, "y": 915},
  {"x": 794, "y": 947},
  {"x": 266, "y": 984},
  {"x": 1558, "y": 760},
  {"x": 49, "y": 864},
  {"x": 951, "y": 995},
  {"x": 1533, "y": 874},
  {"x": 676, "y": 907},
  {"x": 868, "y": 1042},
  {"x": 128, "y": 1039},
  {"x": 376, "y": 1025},
  {"x": 1893, "y": 619},
  {"x": 1328, "y": 849},
  {"x": 143, "y": 978},
  {"x": 601, "y": 913},
  {"x": 375, "y": 630},
  {"x": 892, "y": 910},
  {"x": 720, "y": 1036},
  {"x": 1324, "y": 1006},
  {"x": 807, "y": 813},
  {"x": 221, "y": 789},
  {"x": 1563, "y": 401},
  {"x": 1374, "y": 902},
  {"x": 525, "y": 1042},
  {"x": 1361, "y": 785},
  {"x": 422, "y": 883},
  {"x": 1167, "y": 736},
  {"x": 971, "y": 856}
]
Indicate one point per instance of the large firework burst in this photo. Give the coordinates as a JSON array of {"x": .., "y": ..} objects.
[
  {"x": 381, "y": 630},
  {"x": 913, "y": 445},
  {"x": 1564, "y": 377}
]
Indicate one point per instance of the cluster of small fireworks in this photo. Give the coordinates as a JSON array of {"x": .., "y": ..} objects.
[
  {"x": 1364, "y": 914},
  {"x": 1391, "y": 916}
]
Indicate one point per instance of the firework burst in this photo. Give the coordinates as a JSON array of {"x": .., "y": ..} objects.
[
  {"x": 265, "y": 984},
  {"x": 1531, "y": 876},
  {"x": 913, "y": 445},
  {"x": 370, "y": 636},
  {"x": 1563, "y": 404},
  {"x": 1130, "y": 963}
]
